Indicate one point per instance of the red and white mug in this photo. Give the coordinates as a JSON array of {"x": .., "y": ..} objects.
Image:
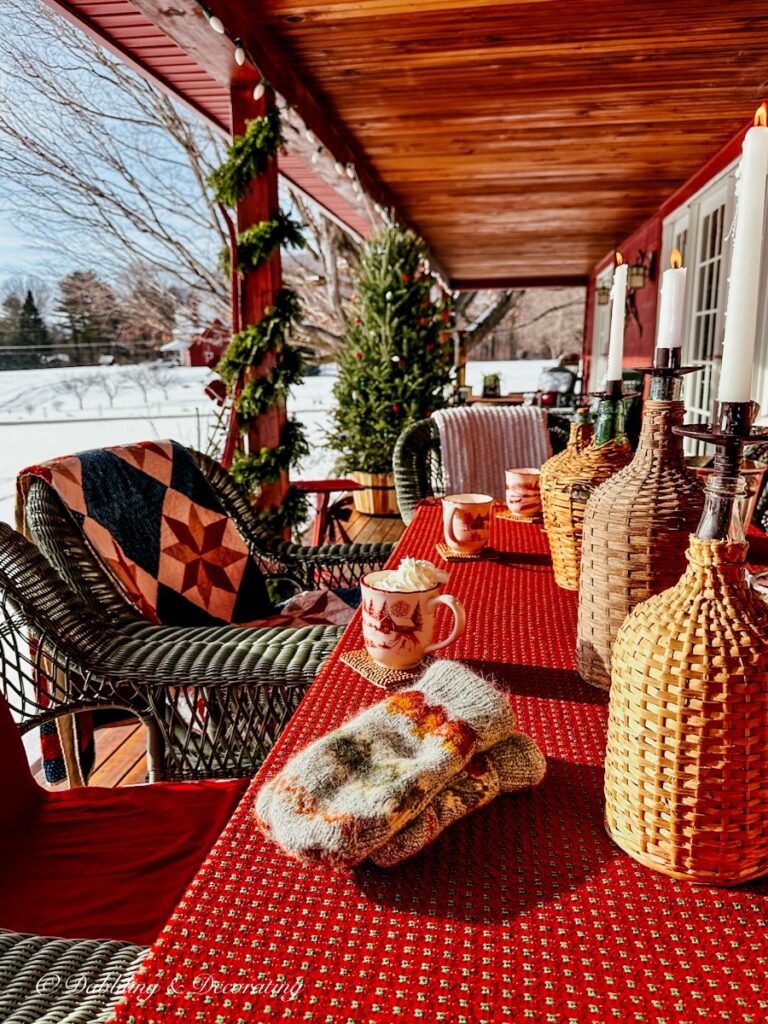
[
  {"x": 467, "y": 522},
  {"x": 523, "y": 495},
  {"x": 399, "y": 625}
]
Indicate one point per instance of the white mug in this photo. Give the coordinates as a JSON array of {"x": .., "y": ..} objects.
[
  {"x": 398, "y": 625},
  {"x": 467, "y": 522}
]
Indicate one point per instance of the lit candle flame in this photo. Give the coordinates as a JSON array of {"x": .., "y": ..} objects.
[
  {"x": 761, "y": 116},
  {"x": 676, "y": 259},
  {"x": 619, "y": 259}
]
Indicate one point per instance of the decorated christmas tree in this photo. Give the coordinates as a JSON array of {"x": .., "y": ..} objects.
[{"x": 396, "y": 363}]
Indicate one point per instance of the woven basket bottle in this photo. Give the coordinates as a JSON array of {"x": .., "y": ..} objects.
[
  {"x": 567, "y": 485},
  {"x": 635, "y": 534},
  {"x": 686, "y": 772}
]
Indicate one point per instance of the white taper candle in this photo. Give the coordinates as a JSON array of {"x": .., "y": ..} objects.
[
  {"x": 744, "y": 283},
  {"x": 670, "y": 331},
  {"x": 619, "y": 299}
]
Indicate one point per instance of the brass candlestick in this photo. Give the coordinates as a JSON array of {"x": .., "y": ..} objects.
[{"x": 732, "y": 427}]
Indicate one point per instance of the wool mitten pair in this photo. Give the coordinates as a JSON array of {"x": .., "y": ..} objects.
[
  {"x": 512, "y": 765},
  {"x": 347, "y": 793}
]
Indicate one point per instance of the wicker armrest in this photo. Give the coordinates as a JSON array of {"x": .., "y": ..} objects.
[
  {"x": 213, "y": 698},
  {"x": 89, "y": 972},
  {"x": 216, "y": 656},
  {"x": 334, "y": 565}
]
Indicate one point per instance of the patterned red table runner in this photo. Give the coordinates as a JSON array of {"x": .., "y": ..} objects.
[{"x": 524, "y": 911}]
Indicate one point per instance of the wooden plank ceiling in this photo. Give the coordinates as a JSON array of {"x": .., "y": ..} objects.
[
  {"x": 204, "y": 85},
  {"x": 522, "y": 139}
]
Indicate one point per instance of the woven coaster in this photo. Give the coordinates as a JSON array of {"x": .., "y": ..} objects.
[
  {"x": 385, "y": 678},
  {"x": 486, "y": 555},
  {"x": 504, "y": 513}
]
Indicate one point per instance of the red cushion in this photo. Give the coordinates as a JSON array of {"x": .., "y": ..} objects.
[
  {"x": 99, "y": 863},
  {"x": 110, "y": 863},
  {"x": 18, "y": 791}
]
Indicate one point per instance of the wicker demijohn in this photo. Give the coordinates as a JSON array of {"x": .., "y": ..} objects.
[
  {"x": 686, "y": 772},
  {"x": 635, "y": 535},
  {"x": 551, "y": 472},
  {"x": 566, "y": 488}
]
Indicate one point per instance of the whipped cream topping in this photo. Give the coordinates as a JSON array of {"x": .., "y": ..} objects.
[{"x": 412, "y": 574}]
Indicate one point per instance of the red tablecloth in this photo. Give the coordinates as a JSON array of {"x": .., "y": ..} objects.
[{"x": 525, "y": 910}]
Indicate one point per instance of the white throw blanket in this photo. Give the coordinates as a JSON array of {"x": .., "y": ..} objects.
[{"x": 479, "y": 443}]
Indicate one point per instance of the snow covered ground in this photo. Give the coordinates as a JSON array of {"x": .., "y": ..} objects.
[{"x": 49, "y": 412}]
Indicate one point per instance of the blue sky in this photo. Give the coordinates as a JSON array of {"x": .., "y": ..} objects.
[
  {"x": 21, "y": 255},
  {"x": 57, "y": 98}
]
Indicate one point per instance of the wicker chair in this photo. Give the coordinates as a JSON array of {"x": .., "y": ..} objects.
[
  {"x": 213, "y": 698},
  {"x": 30, "y": 965},
  {"x": 418, "y": 462},
  {"x": 330, "y": 565}
]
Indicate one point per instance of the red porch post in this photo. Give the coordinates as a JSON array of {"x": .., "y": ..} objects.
[{"x": 260, "y": 286}]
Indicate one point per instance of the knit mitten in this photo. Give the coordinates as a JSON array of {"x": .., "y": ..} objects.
[
  {"x": 514, "y": 764},
  {"x": 348, "y": 792}
]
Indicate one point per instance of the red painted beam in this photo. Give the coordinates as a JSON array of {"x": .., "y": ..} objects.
[{"x": 260, "y": 286}]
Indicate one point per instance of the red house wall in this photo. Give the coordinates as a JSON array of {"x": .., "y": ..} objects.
[{"x": 640, "y": 326}]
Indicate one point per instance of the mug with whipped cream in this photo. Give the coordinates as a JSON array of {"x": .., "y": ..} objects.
[{"x": 399, "y": 608}]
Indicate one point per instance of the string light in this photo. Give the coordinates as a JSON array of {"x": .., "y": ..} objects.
[
  {"x": 215, "y": 22},
  {"x": 259, "y": 90}
]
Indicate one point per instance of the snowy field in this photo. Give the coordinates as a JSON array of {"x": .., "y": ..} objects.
[{"x": 49, "y": 412}]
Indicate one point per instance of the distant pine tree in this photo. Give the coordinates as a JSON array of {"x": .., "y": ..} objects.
[
  {"x": 23, "y": 334},
  {"x": 31, "y": 329}
]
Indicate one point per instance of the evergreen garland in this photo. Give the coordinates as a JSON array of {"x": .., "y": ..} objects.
[
  {"x": 397, "y": 361},
  {"x": 262, "y": 393},
  {"x": 249, "y": 156},
  {"x": 265, "y": 466},
  {"x": 248, "y": 347},
  {"x": 256, "y": 244}
]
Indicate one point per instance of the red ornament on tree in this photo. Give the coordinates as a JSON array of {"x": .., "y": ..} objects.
[
  {"x": 358, "y": 320},
  {"x": 406, "y": 277},
  {"x": 358, "y": 355},
  {"x": 395, "y": 408}
]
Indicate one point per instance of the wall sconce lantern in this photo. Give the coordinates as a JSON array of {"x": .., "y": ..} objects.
[
  {"x": 640, "y": 271},
  {"x": 603, "y": 293}
]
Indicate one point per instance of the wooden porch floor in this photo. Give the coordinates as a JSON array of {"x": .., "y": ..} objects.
[{"x": 120, "y": 749}]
